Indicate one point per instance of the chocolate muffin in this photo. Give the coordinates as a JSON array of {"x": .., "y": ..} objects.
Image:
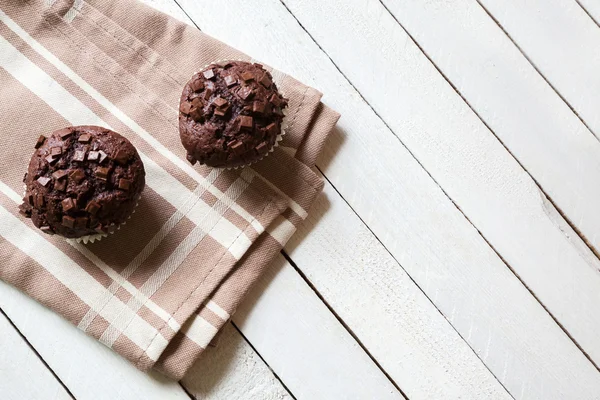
[
  {"x": 82, "y": 180},
  {"x": 230, "y": 114}
]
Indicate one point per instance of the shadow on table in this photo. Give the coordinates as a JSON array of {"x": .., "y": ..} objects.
[{"x": 233, "y": 361}]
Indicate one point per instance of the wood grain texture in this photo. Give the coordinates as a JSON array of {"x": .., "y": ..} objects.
[
  {"x": 79, "y": 360},
  {"x": 233, "y": 370},
  {"x": 22, "y": 373},
  {"x": 563, "y": 42},
  {"x": 385, "y": 309},
  {"x": 543, "y": 134},
  {"x": 426, "y": 233},
  {"x": 304, "y": 343}
]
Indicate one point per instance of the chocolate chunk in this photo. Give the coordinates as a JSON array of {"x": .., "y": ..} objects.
[
  {"x": 261, "y": 148},
  {"x": 93, "y": 207},
  {"x": 77, "y": 176},
  {"x": 246, "y": 122},
  {"x": 29, "y": 199},
  {"x": 121, "y": 156},
  {"x": 275, "y": 100},
  {"x": 237, "y": 147},
  {"x": 25, "y": 177},
  {"x": 68, "y": 222},
  {"x": 102, "y": 173},
  {"x": 272, "y": 129},
  {"x": 44, "y": 181},
  {"x": 60, "y": 174},
  {"x": 230, "y": 81},
  {"x": 247, "y": 76},
  {"x": 278, "y": 111},
  {"x": 51, "y": 160},
  {"x": 184, "y": 107},
  {"x": 55, "y": 151},
  {"x": 65, "y": 133},
  {"x": 40, "y": 141},
  {"x": 85, "y": 138},
  {"x": 103, "y": 156},
  {"x": 197, "y": 85},
  {"x": 79, "y": 155},
  {"x": 61, "y": 185},
  {"x": 100, "y": 228},
  {"x": 68, "y": 204},
  {"x": 258, "y": 107},
  {"x": 47, "y": 230},
  {"x": 197, "y": 103},
  {"x": 209, "y": 74},
  {"x": 93, "y": 156},
  {"x": 245, "y": 92},
  {"x": 197, "y": 114},
  {"x": 221, "y": 111},
  {"x": 124, "y": 184},
  {"x": 207, "y": 93},
  {"x": 81, "y": 222},
  {"x": 266, "y": 81},
  {"x": 220, "y": 102},
  {"x": 39, "y": 201}
]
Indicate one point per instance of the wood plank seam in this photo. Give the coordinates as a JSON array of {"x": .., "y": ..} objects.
[
  {"x": 263, "y": 360},
  {"x": 588, "y": 13},
  {"x": 542, "y": 192},
  {"x": 38, "y": 355},
  {"x": 446, "y": 194},
  {"x": 534, "y": 67},
  {"x": 369, "y": 228},
  {"x": 309, "y": 283},
  {"x": 343, "y": 323},
  {"x": 400, "y": 265}
]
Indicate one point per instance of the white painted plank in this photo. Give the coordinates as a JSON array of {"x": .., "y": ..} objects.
[
  {"x": 443, "y": 353},
  {"x": 421, "y": 227},
  {"x": 304, "y": 343},
  {"x": 563, "y": 42},
  {"x": 535, "y": 125},
  {"x": 89, "y": 369},
  {"x": 391, "y": 316},
  {"x": 92, "y": 371},
  {"x": 592, "y": 7},
  {"x": 22, "y": 373},
  {"x": 232, "y": 371}
]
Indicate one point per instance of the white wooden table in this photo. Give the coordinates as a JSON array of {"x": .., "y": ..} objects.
[{"x": 454, "y": 252}]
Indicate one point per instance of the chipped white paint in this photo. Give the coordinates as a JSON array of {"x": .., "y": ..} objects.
[{"x": 233, "y": 371}]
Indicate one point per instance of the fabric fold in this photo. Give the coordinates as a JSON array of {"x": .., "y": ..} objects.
[{"x": 159, "y": 290}]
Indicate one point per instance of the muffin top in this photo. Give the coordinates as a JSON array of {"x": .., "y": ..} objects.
[
  {"x": 82, "y": 180},
  {"x": 230, "y": 114}
]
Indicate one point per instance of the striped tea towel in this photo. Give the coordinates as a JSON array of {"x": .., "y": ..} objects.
[{"x": 158, "y": 290}]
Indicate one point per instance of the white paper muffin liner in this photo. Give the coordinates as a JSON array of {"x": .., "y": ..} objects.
[
  {"x": 97, "y": 236},
  {"x": 284, "y": 122}
]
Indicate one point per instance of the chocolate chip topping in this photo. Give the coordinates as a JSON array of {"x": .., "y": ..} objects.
[
  {"x": 230, "y": 114},
  {"x": 77, "y": 191}
]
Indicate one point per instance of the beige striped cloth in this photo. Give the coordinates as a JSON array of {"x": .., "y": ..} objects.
[{"x": 158, "y": 290}]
